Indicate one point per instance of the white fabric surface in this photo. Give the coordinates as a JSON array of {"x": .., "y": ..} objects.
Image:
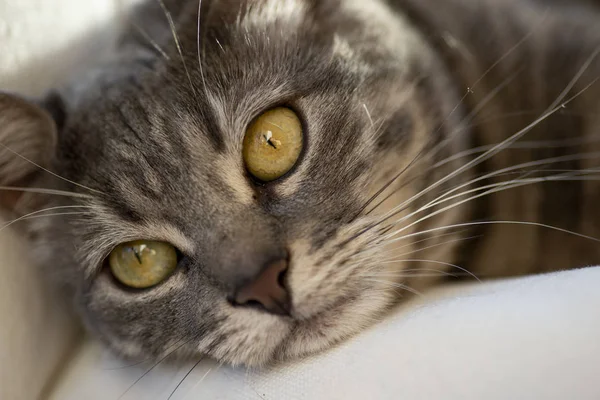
[
  {"x": 35, "y": 333},
  {"x": 41, "y": 43},
  {"x": 532, "y": 338}
]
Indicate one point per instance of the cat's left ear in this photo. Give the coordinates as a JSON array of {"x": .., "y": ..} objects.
[{"x": 28, "y": 136}]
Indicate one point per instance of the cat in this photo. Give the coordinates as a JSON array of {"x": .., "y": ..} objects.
[{"x": 258, "y": 180}]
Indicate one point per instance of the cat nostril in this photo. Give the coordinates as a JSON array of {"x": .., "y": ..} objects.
[
  {"x": 281, "y": 278},
  {"x": 267, "y": 291}
]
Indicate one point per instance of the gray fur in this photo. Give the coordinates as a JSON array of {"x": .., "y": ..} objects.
[{"x": 151, "y": 145}]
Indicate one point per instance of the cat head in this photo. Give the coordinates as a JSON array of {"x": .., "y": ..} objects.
[{"x": 154, "y": 153}]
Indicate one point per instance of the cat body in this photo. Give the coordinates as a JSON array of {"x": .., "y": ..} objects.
[{"x": 440, "y": 138}]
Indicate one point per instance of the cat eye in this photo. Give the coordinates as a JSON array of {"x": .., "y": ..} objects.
[
  {"x": 142, "y": 264},
  {"x": 273, "y": 144}
]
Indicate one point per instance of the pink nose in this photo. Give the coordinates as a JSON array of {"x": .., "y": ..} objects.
[{"x": 267, "y": 291}]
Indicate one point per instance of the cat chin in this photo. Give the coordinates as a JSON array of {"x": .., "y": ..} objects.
[
  {"x": 344, "y": 320},
  {"x": 274, "y": 339},
  {"x": 254, "y": 348}
]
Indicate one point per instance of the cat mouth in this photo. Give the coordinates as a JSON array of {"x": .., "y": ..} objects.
[{"x": 315, "y": 317}]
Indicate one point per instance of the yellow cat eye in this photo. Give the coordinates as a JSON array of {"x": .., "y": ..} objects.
[
  {"x": 143, "y": 263},
  {"x": 273, "y": 144}
]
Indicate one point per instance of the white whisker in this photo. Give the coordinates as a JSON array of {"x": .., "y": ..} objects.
[
  {"x": 152, "y": 42},
  {"x": 415, "y": 275},
  {"x": 460, "y": 102},
  {"x": 26, "y": 216},
  {"x": 396, "y": 285},
  {"x": 45, "y": 191},
  {"x": 56, "y": 215},
  {"x": 485, "y": 156},
  {"x": 220, "y": 45},
  {"x": 578, "y": 76},
  {"x": 433, "y": 246},
  {"x": 177, "y": 43},
  {"x": 496, "y": 188},
  {"x": 438, "y": 200},
  {"x": 193, "y": 389},
  {"x": 541, "y": 144},
  {"x": 466, "y": 271},
  {"x": 499, "y": 222},
  {"x": 369, "y": 116},
  {"x": 366, "y": 255},
  {"x": 505, "y": 143},
  {"x": 412, "y": 271},
  {"x": 48, "y": 171},
  {"x": 477, "y": 109},
  {"x": 421, "y": 241},
  {"x": 508, "y": 170},
  {"x": 199, "y": 50}
]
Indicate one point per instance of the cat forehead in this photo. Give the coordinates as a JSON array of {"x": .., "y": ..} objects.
[{"x": 238, "y": 82}]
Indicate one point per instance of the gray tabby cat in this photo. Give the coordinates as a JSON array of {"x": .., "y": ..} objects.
[{"x": 257, "y": 180}]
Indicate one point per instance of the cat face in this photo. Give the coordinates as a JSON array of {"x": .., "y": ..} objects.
[{"x": 153, "y": 150}]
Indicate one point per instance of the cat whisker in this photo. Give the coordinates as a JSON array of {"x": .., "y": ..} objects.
[
  {"x": 177, "y": 43},
  {"x": 477, "y": 109},
  {"x": 140, "y": 362},
  {"x": 48, "y": 171},
  {"x": 369, "y": 116},
  {"x": 510, "y": 51},
  {"x": 125, "y": 366},
  {"x": 376, "y": 247},
  {"x": 152, "y": 42},
  {"x": 184, "y": 378},
  {"x": 503, "y": 84},
  {"x": 220, "y": 45},
  {"x": 558, "y": 105},
  {"x": 460, "y": 102},
  {"x": 488, "y": 99},
  {"x": 424, "y": 240},
  {"x": 396, "y": 285},
  {"x": 496, "y": 149},
  {"x": 550, "y": 144},
  {"x": 504, "y": 171},
  {"x": 377, "y": 269},
  {"x": 493, "y": 189},
  {"x": 385, "y": 187},
  {"x": 199, "y": 50},
  {"x": 45, "y": 191},
  {"x": 412, "y": 271},
  {"x": 496, "y": 188},
  {"x": 495, "y": 222},
  {"x": 55, "y": 215},
  {"x": 466, "y": 271},
  {"x": 578, "y": 76},
  {"x": 418, "y": 250},
  {"x": 34, "y": 213},
  {"x": 169, "y": 353},
  {"x": 507, "y": 185},
  {"x": 414, "y": 275},
  {"x": 542, "y": 144},
  {"x": 203, "y": 378},
  {"x": 501, "y": 186}
]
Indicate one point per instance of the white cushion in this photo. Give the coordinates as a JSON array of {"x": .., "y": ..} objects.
[{"x": 531, "y": 338}]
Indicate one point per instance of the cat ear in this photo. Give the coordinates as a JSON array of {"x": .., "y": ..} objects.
[{"x": 28, "y": 134}]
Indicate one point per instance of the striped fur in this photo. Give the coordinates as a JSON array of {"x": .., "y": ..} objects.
[{"x": 390, "y": 195}]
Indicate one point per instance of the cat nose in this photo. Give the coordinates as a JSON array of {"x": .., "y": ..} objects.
[{"x": 267, "y": 290}]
